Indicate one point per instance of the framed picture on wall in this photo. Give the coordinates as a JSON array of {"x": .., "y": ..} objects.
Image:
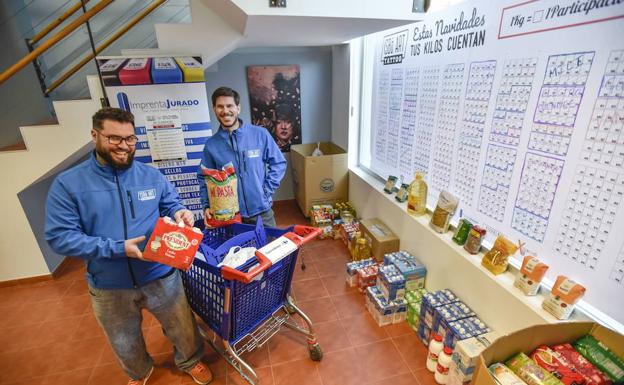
[{"x": 275, "y": 101}]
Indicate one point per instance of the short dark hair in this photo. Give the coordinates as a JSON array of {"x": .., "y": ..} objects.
[
  {"x": 111, "y": 113},
  {"x": 225, "y": 91}
]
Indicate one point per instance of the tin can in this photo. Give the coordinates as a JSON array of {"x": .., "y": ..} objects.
[
  {"x": 390, "y": 186},
  {"x": 473, "y": 243},
  {"x": 461, "y": 233},
  {"x": 401, "y": 195}
]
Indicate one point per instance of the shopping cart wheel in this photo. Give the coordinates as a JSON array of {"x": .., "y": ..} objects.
[{"x": 316, "y": 354}]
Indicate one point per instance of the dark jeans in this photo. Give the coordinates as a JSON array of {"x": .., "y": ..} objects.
[
  {"x": 268, "y": 219},
  {"x": 118, "y": 312}
]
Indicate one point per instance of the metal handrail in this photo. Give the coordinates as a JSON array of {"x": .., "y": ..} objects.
[
  {"x": 104, "y": 45},
  {"x": 35, "y": 39},
  {"x": 23, "y": 62}
]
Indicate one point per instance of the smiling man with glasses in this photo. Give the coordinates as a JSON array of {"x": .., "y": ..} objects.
[{"x": 101, "y": 211}]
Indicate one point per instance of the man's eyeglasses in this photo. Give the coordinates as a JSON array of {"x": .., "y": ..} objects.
[{"x": 116, "y": 140}]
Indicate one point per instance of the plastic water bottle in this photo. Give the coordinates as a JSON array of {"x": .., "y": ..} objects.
[
  {"x": 435, "y": 347},
  {"x": 317, "y": 151},
  {"x": 444, "y": 362}
]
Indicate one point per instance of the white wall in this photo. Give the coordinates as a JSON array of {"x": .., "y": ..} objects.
[
  {"x": 315, "y": 66},
  {"x": 341, "y": 68},
  {"x": 48, "y": 146},
  {"x": 22, "y": 89}
]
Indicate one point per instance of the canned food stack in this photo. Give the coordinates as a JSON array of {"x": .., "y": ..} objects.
[{"x": 347, "y": 232}]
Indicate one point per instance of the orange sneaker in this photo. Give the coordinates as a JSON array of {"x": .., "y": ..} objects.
[
  {"x": 201, "y": 373},
  {"x": 143, "y": 380}
]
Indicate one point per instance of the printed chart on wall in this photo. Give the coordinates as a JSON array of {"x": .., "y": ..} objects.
[
  {"x": 167, "y": 96},
  {"x": 517, "y": 109}
]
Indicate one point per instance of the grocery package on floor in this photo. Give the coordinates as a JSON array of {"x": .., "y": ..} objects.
[
  {"x": 453, "y": 323},
  {"x": 380, "y": 238},
  {"x": 387, "y": 299},
  {"x": 575, "y": 353}
]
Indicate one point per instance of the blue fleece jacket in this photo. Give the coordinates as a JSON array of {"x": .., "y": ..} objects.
[
  {"x": 92, "y": 209},
  {"x": 258, "y": 161}
]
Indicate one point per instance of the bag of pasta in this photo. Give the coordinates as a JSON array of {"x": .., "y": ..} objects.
[
  {"x": 222, "y": 188},
  {"x": 496, "y": 260}
]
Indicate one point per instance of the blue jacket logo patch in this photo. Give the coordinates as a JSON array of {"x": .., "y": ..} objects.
[
  {"x": 147, "y": 195},
  {"x": 253, "y": 153}
]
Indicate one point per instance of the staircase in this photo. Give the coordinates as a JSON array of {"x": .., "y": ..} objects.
[{"x": 217, "y": 28}]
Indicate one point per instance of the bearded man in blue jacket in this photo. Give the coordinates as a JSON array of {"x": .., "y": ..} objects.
[
  {"x": 102, "y": 210},
  {"x": 258, "y": 161}
]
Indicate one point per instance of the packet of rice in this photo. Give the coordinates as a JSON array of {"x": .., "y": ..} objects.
[{"x": 222, "y": 188}]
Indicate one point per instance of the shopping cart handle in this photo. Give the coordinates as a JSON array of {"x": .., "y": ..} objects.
[
  {"x": 303, "y": 234},
  {"x": 233, "y": 274}
]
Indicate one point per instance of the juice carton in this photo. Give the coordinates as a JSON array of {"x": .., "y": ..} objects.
[
  {"x": 353, "y": 267},
  {"x": 400, "y": 310},
  {"x": 366, "y": 276}
]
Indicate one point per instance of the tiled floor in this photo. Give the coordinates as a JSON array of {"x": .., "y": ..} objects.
[{"x": 48, "y": 334}]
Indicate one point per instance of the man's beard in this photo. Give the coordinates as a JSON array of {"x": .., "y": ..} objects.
[
  {"x": 229, "y": 116},
  {"x": 113, "y": 163}
]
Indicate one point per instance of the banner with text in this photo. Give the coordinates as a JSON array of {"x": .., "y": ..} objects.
[
  {"x": 167, "y": 96},
  {"x": 517, "y": 108}
]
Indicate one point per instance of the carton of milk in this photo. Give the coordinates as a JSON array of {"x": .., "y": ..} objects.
[
  {"x": 391, "y": 282},
  {"x": 411, "y": 268},
  {"x": 468, "y": 351},
  {"x": 432, "y": 301},
  {"x": 449, "y": 313},
  {"x": 463, "y": 329}
]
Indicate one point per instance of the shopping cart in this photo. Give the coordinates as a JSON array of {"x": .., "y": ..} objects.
[{"x": 245, "y": 307}]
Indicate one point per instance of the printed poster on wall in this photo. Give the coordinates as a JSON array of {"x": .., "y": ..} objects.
[
  {"x": 517, "y": 108},
  {"x": 167, "y": 96},
  {"x": 275, "y": 100}
]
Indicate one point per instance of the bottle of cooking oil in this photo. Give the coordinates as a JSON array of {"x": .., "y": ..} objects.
[
  {"x": 417, "y": 198},
  {"x": 357, "y": 235},
  {"x": 362, "y": 250}
]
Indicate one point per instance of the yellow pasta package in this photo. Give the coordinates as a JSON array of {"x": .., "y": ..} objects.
[{"x": 222, "y": 188}]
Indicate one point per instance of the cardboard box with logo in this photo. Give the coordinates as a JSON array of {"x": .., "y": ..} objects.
[
  {"x": 319, "y": 179},
  {"x": 381, "y": 239},
  {"x": 527, "y": 340}
]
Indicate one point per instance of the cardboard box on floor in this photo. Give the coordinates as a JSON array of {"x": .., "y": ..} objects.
[
  {"x": 319, "y": 179},
  {"x": 380, "y": 237},
  {"x": 526, "y": 340}
]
